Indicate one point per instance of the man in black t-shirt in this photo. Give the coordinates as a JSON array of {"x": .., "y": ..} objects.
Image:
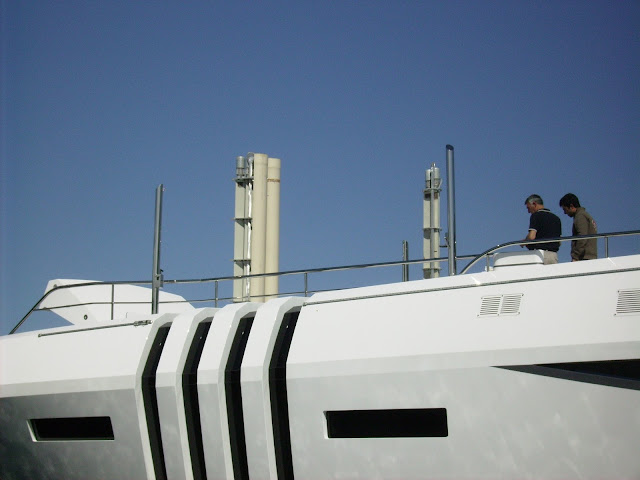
[{"x": 543, "y": 224}]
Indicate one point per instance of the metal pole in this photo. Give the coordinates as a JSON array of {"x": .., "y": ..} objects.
[
  {"x": 156, "y": 279},
  {"x": 451, "y": 210},
  {"x": 405, "y": 257},
  {"x": 431, "y": 221}
]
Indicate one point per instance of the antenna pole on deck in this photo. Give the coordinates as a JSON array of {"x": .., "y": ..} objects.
[
  {"x": 157, "y": 279},
  {"x": 451, "y": 210}
]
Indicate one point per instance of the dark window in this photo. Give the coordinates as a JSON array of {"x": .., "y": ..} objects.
[
  {"x": 191, "y": 401},
  {"x": 396, "y": 423},
  {"x": 234, "y": 399},
  {"x": 75, "y": 428},
  {"x": 278, "y": 395},
  {"x": 150, "y": 401}
]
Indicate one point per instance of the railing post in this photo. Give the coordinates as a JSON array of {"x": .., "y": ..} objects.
[
  {"x": 606, "y": 247},
  {"x": 113, "y": 298},
  {"x": 405, "y": 257},
  {"x": 305, "y": 283}
]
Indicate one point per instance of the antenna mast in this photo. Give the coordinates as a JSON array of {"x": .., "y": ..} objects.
[{"x": 156, "y": 279}]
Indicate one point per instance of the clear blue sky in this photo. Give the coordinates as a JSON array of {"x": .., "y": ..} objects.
[{"x": 102, "y": 101}]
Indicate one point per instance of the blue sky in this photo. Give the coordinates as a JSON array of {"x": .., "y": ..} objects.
[{"x": 103, "y": 101}]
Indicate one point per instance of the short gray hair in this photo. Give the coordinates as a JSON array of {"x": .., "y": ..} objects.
[{"x": 534, "y": 199}]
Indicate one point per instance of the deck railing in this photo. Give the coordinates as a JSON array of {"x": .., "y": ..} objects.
[
  {"x": 217, "y": 299},
  {"x": 606, "y": 236}
]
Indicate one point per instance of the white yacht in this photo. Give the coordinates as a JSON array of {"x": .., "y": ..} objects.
[
  {"x": 518, "y": 371},
  {"x": 521, "y": 371}
]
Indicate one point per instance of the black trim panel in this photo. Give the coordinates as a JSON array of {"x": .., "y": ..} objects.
[
  {"x": 75, "y": 428},
  {"x": 389, "y": 423},
  {"x": 609, "y": 373},
  {"x": 278, "y": 396},
  {"x": 191, "y": 402},
  {"x": 233, "y": 391},
  {"x": 150, "y": 401}
]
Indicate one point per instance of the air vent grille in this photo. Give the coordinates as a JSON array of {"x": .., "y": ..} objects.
[
  {"x": 495, "y": 305},
  {"x": 628, "y": 302},
  {"x": 490, "y": 306},
  {"x": 510, "y": 304}
]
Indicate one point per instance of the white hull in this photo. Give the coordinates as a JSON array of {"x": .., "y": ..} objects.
[{"x": 521, "y": 372}]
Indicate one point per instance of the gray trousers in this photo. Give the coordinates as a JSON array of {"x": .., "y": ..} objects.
[{"x": 549, "y": 257}]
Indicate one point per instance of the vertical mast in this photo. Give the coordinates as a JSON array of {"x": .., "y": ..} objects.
[
  {"x": 242, "y": 227},
  {"x": 431, "y": 223},
  {"x": 156, "y": 278},
  {"x": 451, "y": 209}
]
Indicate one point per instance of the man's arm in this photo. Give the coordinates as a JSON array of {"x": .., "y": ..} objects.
[{"x": 530, "y": 236}]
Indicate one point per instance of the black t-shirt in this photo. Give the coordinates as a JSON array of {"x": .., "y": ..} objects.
[{"x": 546, "y": 225}]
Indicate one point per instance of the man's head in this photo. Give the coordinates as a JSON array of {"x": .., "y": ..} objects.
[
  {"x": 570, "y": 204},
  {"x": 534, "y": 203}
]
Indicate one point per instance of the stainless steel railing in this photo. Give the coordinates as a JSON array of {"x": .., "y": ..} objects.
[
  {"x": 606, "y": 236},
  {"x": 216, "y": 299}
]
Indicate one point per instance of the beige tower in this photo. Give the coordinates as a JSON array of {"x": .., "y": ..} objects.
[{"x": 257, "y": 227}]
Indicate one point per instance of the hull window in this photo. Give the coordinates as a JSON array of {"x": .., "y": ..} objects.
[
  {"x": 398, "y": 423},
  {"x": 76, "y": 428},
  {"x": 234, "y": 399},
  {"x": 192, "y": 406},
  {"x": 151, "y": 402},
  {"x": 278, "y": 396}
]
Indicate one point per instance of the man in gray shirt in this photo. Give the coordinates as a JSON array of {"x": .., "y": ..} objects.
[{"x": 583, "y": 224}]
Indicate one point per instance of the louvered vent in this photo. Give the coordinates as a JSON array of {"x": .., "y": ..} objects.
[
  {"x": 495, "y": 305},
  {"x": 628, "y": 302},
  {"x": 510, "y": 304}
]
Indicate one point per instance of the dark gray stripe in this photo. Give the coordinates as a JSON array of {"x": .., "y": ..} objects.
[{"x": 613, "y": 373}]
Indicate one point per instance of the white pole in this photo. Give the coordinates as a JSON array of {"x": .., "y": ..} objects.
[
  {"x": 426, "y": 224},
  {"x": 242, "y": 228},
  {"x": 259, "y": 225},
  {"x": 272, "y": 244},
  {"x": 431, "y": 211},
  {"x": 435, "y": 219}
]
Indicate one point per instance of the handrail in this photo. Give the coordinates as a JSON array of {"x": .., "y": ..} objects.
[
  {"x": 214, "y": 280},
  {"x": 523, "y": 243},
  {"x": 305, "y": 272},
  {"x": 71, "y": 285}
]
